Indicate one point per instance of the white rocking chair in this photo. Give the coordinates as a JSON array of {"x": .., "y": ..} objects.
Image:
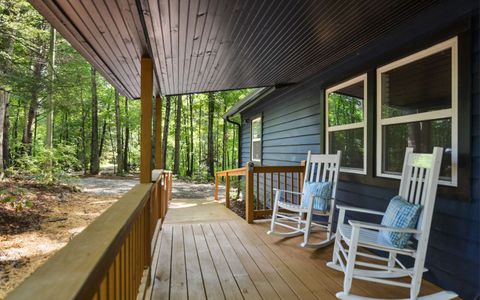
[
  {"x": 319, "y": 168},
  {"x": 419, "y": 186}
]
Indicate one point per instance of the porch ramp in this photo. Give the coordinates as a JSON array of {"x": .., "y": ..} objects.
[{"x": 205, "y": 251}]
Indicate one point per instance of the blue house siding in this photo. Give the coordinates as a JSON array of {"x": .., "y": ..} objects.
[{"x": 292, "y": 125}]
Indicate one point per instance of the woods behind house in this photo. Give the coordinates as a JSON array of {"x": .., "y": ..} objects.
[{"x": 59, "y": 116}]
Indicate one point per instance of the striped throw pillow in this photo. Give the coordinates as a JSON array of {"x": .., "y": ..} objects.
[{"x": 321, "y": 191}]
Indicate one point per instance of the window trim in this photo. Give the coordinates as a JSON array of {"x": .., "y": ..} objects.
[
  {"x": 357, "y": 125},
  {"x": 425, "y": 116},
  {"x": 255, "y": 120}
]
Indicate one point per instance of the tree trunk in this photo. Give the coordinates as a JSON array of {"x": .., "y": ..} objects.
[
  {"x": 3, "y": 97},
  {"x": 211, "y": 112},
  {"x": 190, "y": 156},
  {"x": 51, "y": 66},
  {"x": 35, "y": 127},
  {"x": 118, "y": 131},
  {"x": 32, "y": 110},
  {"x": 104, "y": 131},
  {"x": 15, "y": 126},
  {"x": 84, "y": 138},
  {"x": 6, "y": 127},
  {"x": 200, "y": 136},
  {"x": 94, "y": 154},
  {"x": 225, "y": 137},
  {"x": 186, "y": 158},
  {"x": 178, "y": 116},
  {"x": 127, "y": 138},
  {"x": 165, "y": 130}
]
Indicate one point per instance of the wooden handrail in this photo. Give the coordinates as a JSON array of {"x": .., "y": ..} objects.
[
  {"x": 111, "y": 257},
  {"x": 227, "y": 173},
  {"x": 278, "y": 169},
  {"x": 259, "y": 183}
]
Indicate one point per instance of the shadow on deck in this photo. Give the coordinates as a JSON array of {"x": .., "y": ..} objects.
[{"x": 207, "y": 251}]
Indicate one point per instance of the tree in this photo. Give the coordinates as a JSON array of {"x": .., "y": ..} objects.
[
  {"x": 178, "y": 116},
  {"x": 32, "y": 110},
  {"x": 94, "y": 153},
  {"x": 210, "y": 157},
  {"x": 118, "y": 131},
  {"x": 51, "y": 70},
  {"x": 6, "y": 127},
  {"x": 190, "y": 146},
  {"x": 127, "y": 138},
  {"x": 165, "y": 131},
  {"x": 3, "y": 104}
]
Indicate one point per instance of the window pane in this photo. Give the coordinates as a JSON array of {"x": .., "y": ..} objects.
[
  {"x": 345, "y": 106},
  {"x": 256, "y": 150},
  {"x": 422, "y": 137},
  {"x": 350, "y": 142},
  {"x": 257, "y": 129},
  {"x": 421, "y": 86}
]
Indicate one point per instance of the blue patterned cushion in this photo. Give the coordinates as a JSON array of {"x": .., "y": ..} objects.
[
  {"x": 322, "y": 192},
  {"x": 400, "y": 214}
]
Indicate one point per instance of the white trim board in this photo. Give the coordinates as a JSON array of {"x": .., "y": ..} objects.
[
  {"x": 357, "y": 125},
  {"x": 432, "y": 115}
]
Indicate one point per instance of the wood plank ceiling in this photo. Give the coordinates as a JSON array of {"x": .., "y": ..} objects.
[{"x": 210, "y": 45}]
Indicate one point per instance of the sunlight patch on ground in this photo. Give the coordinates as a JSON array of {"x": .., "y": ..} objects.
[
  {"x": 174, "y": 205},
  {"x": 28, "y": 245}
]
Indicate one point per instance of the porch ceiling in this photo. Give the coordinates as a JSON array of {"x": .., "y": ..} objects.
[{"x": 209, "y": 45}]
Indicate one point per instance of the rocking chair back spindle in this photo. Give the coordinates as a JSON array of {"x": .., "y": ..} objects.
[
  {"x": 319, "y": 168},
  {"x": 418, "y": 186}
]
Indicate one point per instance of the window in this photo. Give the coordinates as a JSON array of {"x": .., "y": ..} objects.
[
  {"x": 417, "y": 107},
  {"x": 256, "y": 140},
  {"x": 345, "y": 123}
]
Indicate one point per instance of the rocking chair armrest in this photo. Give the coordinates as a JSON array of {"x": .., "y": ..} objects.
[
  {"x": 287, "y": 191},
  {"x": 361, "y": 210},
  {"x": 375, "y": 226}
]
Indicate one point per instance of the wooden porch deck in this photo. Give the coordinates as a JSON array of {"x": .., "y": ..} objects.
[{"x": 205, "y": 251}]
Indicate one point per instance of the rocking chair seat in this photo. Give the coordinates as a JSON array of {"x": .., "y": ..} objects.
[
  {"x": 372, "y": 239},
  {"x": 292, "y": 206},
  {"x": 298, "y": 208}
]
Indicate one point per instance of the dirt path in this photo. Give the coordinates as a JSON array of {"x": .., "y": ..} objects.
[
  {"x": 58, "y": 213},
  {"x": 30, "y": 237},
  {"x": 188, "y": 190}
]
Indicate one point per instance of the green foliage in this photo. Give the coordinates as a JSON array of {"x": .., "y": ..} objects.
[
  {"x": 15, "y": 197},
  {"x": 24, "y": 45},
  {"x": 47, "y": 166}
]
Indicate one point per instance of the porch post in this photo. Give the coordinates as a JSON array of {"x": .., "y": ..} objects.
[
  {"x": 146, "y": 93},
  {"x": 158, "y": 133}
]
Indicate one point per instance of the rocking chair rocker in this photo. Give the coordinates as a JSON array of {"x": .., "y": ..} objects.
[
  {"x": 418, "y": 186},
  {"x": 319, "y": 168}
]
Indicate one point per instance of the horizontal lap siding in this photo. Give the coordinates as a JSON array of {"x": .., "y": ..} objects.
[
  {"x": 291, "y": 123},
  {"x": 292, "y": 127}
]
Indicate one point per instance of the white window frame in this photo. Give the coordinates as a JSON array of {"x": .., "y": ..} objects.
[
  {"x": 357, "y": 125},
  {"x": 256, "y": 120},
  {"x": 425, "y": 116}
]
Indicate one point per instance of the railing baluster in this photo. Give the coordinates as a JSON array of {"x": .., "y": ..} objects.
[
  {"x": 118, "y": 272},
  {"x": 264, "y": 190},
  {"x": 291, "y": 187},
  {"x": 258, "y": 191},
  {"x": 285, "y": 185},
  {"x": 271, "y": 191},
  {"x": 111, "y": 282},
  {"x": 127, "y": 267},
  {"x": 227, "y": 191}
]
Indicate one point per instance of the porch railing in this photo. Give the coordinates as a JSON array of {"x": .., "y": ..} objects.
[
  {"x": 111, "y": 258},
  {"x": 260, "y": 182}
]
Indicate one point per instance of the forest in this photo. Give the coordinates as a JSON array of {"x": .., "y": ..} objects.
[{"x": 59, "y": 117}]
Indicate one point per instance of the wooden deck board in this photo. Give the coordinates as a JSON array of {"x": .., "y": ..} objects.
[{"x": 223, "y": 257}]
